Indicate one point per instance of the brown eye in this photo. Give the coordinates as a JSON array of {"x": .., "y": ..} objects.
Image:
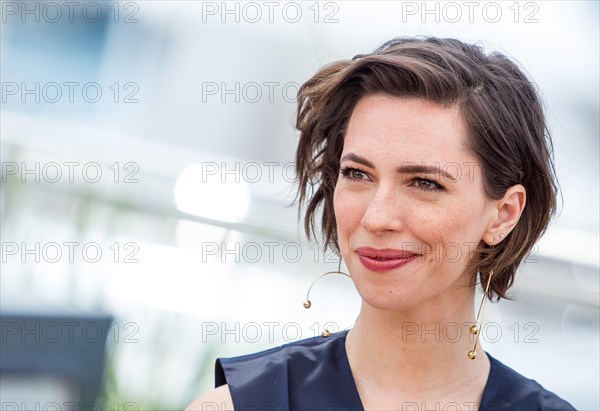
[
  {"x": 357, "y": 174},
  {"x": 354, "y": 173},
  {"x": 426, "y": 185}
]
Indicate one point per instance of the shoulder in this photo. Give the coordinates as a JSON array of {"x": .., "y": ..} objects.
[
  {"x": 217, "y": 399},
  {"x": 290, "y": 374},
  {"x": 267, "y": 363},
  {"x": 298, "y": 353},
  {"x": 506, "y": 388}
]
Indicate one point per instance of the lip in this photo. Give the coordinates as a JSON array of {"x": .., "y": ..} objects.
[{"x": 384, "y": 259}]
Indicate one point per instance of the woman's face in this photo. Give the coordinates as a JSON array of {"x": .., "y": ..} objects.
[{"x": 409, "y": 203}]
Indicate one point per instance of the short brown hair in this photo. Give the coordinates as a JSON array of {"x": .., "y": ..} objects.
[{"x": 500, "y": 106}]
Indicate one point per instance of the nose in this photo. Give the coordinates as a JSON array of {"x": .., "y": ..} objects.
[{"x": 384, "y": 212}]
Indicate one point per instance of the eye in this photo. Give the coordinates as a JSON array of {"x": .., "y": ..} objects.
[
  {"x": 426, "y": 185},
  {"x": 352, "y": 173}
]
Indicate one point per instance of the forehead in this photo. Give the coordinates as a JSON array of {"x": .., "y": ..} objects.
[{"x": 408, "y": 129}]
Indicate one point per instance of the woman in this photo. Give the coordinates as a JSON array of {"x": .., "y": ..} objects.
[{"x": 430, "y": 163}]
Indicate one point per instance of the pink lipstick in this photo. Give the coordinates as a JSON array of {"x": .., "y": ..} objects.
[{"x": 385, "y": 259}]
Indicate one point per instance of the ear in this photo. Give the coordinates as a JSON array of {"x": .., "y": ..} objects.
[{"x": 508, "y": 212}]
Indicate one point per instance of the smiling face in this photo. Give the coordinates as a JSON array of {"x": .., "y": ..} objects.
[{"x": 409, "y": 204}]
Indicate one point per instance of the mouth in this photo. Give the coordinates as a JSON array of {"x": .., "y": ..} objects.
[{"x": 384, "y": 259}]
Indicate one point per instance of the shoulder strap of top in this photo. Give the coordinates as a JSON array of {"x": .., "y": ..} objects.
[
  {"x": 308, "y": 374},
  {"x": 507, "y": 389}
]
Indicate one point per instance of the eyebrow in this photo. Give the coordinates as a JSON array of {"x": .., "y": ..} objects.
[{"x": 405, "y": 168}]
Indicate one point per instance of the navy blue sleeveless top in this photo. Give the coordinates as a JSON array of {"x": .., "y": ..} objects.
[{"x": 314, "y": 374}]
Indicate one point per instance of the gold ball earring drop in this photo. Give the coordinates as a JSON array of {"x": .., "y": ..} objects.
[
  {"x": 474, "y": 329},
  {"x": 307, "y": 303}
]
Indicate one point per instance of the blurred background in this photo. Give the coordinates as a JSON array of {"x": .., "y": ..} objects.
[{"x": 147, "y": 173}]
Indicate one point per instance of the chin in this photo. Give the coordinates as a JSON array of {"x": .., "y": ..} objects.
[
  {"x": 387, "y": 298},
  {"x": 412, "y": 292}
]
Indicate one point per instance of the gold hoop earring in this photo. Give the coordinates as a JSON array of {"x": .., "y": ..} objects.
[
  {"x": 475, "y": 329},
  {"x": 307, "y": 303}
]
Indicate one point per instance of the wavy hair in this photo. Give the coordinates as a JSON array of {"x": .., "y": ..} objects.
[{"x": 507, "y": 133}]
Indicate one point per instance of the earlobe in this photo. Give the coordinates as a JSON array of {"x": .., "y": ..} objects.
[{"x": 510, "y": 207}]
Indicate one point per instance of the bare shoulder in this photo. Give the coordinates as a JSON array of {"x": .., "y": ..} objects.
[{"x": 217, "y": 399}]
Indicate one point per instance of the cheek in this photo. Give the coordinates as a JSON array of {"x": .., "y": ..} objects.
[
  {"x": 442, "y": 227},
  {"x": 348, "y": 212},
  {"x": 451, "y": 233}
]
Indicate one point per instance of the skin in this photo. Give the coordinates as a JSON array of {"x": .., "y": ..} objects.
[
  {"x": 405, "y": 349},
  {"x": 217, "y": 399}
]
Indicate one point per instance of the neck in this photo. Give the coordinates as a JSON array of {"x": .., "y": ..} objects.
[{"x": 416, "y": 350}]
